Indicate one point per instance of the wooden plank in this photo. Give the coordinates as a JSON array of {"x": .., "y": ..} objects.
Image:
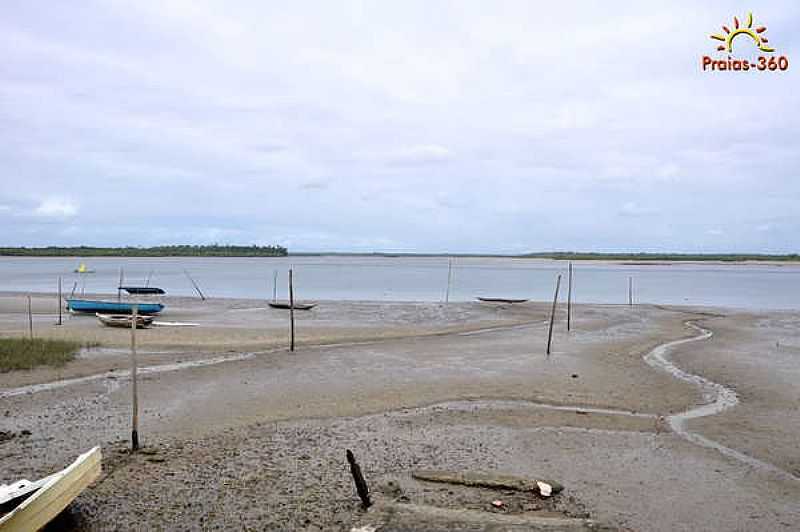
[
  {"x": 55, "y": 495},
  {"x": 486, "y": 480},
  {"x": 396, "y": 517}
]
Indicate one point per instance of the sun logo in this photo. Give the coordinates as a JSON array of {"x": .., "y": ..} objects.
[{"x": 755, "y": 34}]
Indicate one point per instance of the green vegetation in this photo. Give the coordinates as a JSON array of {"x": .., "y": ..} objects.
[
  {"x": 580, "y": 255},
  {"x": 214, "y": 250},
  {"x": 25, "y": 353},
  {"x": 726, "y": 257}
]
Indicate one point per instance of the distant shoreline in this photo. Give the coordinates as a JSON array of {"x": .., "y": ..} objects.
[
  {"x": 214, "y": 250},
  {"x": 635, "y": 259},
  {"x": 632, "y": 259}
]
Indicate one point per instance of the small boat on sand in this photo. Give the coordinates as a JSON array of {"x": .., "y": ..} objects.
[
  {"x": 297, "y": 306},
  {"x": 124, "y": 320},
  {"x": 501, "y": 300},
  {"x": 26, "y": 505},
  {"x": 112, "y": 307},
  {"x": 143, "y": 290}
]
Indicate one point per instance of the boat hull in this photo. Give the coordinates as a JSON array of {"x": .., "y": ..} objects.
[
  {"x": 285, "y": 305},
  {"x": 501, "y": 300},
  {"x": 53, "y": 494},
  {"x": 143, "y": 290},
  {"x": 124, "y": 320},
  {"x": 112, "y": 307}
]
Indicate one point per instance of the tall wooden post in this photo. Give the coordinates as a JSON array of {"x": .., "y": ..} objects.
[
  {"x": 119, "y": 285},
  {"x": 291, "y": 312},
  {"x": 30, "y": 318},
  {"x": 59, "y": 300},
  {"x": 134, "y": 383},
  {"x": 553, "y": 315},
  {"x": 630, "y": 291},
  {"x": 449, "y": 280},
  {"x": 569, "y": 298},
  {"x": 274, "y": 286}
]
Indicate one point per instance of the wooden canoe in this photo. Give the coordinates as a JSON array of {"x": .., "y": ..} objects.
[
  {"x": 34, "y": 504},
  {"x": 112, "y": 307},
  {"x": 143, "y": 290},
  {"x": 501, "y": 300},
  {"x": 297, "y": 306},
  {"x": 124, "y": 320}
]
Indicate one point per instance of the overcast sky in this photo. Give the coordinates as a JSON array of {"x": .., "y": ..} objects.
[{"x": 396, "y": 126}]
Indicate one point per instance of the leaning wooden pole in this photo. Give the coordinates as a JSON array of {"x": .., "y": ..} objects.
[
  {"x": 358, "y": 480},
  {"x": 194, "y": 284},
  {"x": 119, "y": 284},
  {"x": 30, "y": 318},
  {"x": 134, "y": 387},
  {"x": 59, "y": 300},
  {"x": 553, "y": 315},
  {"x": 291, "y": 312},
  {"x": 569, "y": 298},
  {"x": 449, "y": 280}
]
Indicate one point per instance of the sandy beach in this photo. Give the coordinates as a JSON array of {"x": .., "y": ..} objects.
[{"x": 240, "y": 433}]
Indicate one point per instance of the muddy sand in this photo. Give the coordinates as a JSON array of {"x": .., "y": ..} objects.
[{"x": 646, "y": 433}]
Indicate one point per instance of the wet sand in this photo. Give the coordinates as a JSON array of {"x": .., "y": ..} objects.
[{"x": 259, "y": 442}]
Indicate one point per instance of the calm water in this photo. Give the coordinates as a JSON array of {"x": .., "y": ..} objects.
[{"x": 421, "y": 279}]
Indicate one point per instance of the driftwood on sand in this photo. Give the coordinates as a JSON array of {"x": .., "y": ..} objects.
[{"x": 489, "y": 480}]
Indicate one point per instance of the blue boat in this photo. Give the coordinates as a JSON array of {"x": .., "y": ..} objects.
[{"x": 112, "y": 307}]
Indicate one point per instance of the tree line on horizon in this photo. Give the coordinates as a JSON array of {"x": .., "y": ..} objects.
[
  {"x": 218, "y": 250},
  {"x": 213, "y": 250},
  {"x": 726, "y": 257}
]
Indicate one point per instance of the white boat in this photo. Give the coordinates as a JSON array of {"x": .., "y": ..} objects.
[
  {"x": 124, "y": 320},
  {"x": 31, "y": 505}
]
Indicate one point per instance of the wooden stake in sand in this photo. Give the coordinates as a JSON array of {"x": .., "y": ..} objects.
[
  {"x": 569, "y": 298},
  {"x": 553, "y": 315},
  {"x": 449, "y": 280},
  {"x": 358, "y": 479},
  {"x": 59, "y": 300},
  {"x": 30, "y": 318},
  {"x": 630, "y": 291},
  {"x": 274, "y": 285},
  {"x": 134, "y": 390},
  {"x": 291, "y": 312},
  {"x": 194, "y": 284},
  {"x": 119, "y": 284}
]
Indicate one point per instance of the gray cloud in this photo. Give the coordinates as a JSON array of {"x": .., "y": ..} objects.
[{"x": 398, "y": 126}]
